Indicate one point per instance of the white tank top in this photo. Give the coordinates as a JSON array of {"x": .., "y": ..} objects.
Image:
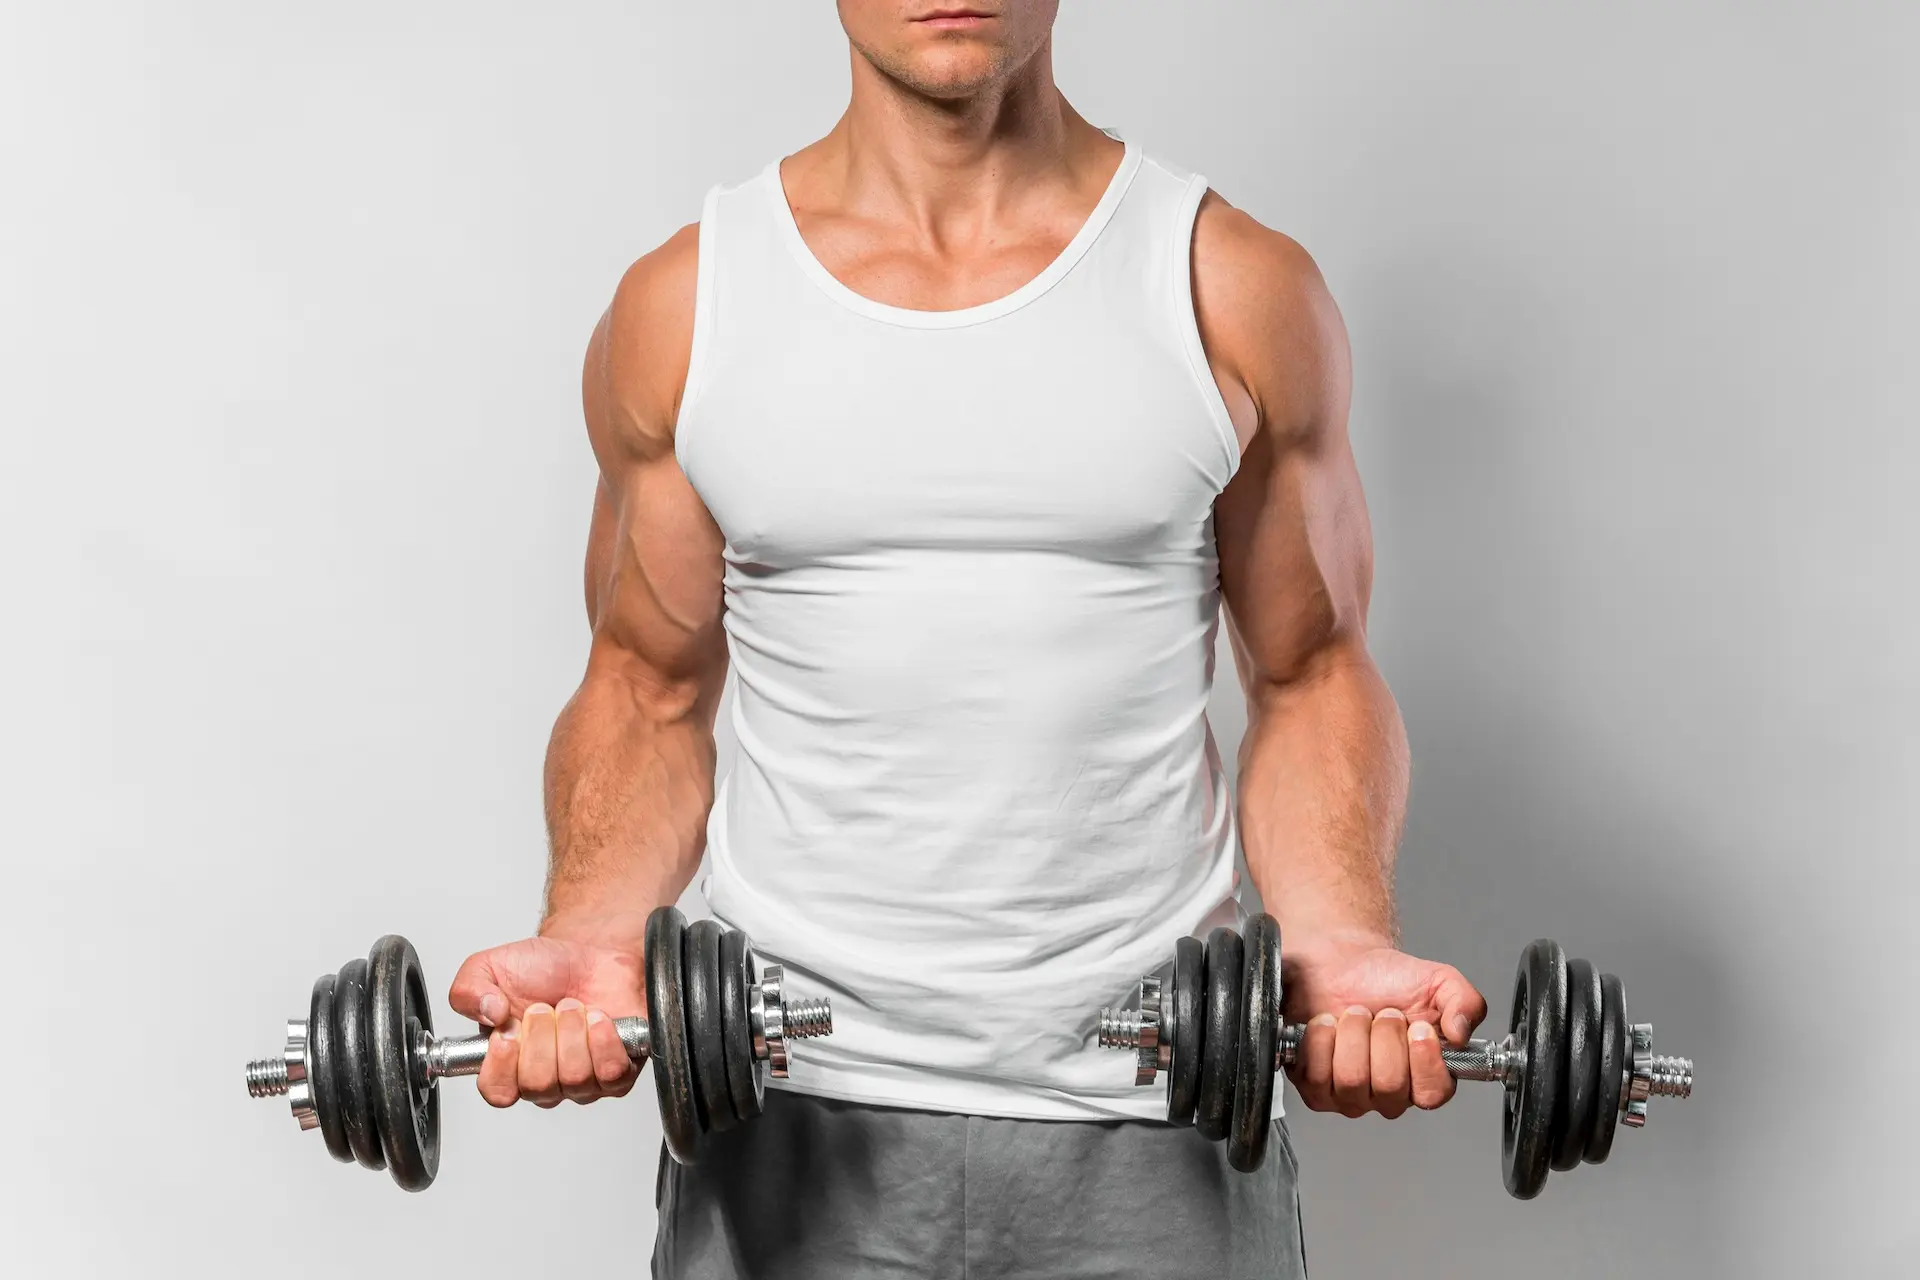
[{"x": 971, "y": 598}]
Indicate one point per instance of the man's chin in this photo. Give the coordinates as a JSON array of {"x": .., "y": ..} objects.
[{"x": 949, "y": 74}]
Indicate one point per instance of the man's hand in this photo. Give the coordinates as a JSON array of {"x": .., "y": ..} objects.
[
  {"x": 1371, "y": 1015},
  {"x": 551, "y": 1003}
]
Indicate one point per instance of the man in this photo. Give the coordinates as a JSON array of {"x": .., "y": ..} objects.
[{"x": 950, "y": 434}]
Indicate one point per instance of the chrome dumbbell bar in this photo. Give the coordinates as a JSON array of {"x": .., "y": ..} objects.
[
  {"x": 364, "y": 1064},
  {"x": 1645, "y": 1075},
  {"x": 434, "y": 1057}
]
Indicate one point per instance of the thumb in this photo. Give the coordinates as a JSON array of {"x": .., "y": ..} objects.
[
  {"x": 1461, "y": 1006},
  {"x": 493, "y": 982},
  {"x": 478, "y": 993}
]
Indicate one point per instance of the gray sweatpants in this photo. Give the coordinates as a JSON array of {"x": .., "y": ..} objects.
[{"x": 819, "y": 1188}]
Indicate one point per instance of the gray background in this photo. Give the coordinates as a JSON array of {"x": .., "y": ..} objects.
[{"x": 292, "y": 300}]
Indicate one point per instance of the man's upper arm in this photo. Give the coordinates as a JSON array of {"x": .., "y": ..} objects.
[
  {"x": 653, "y": 565},
  {"x": 1296, "y": 554}
]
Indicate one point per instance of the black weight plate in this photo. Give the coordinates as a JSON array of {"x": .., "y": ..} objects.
[
  {"x": 1259, "y": 1027},
  {"x": 667, "y": 1022},
  {"x": 1616, "y": 1048},
  {"x": 1220, "y": 1037},
  {"x": 397, "y": 1010},
  {"x": 353, "y": 1071},
  {"x": 1539, "y": 1023},
  {"x": 705, "y": 1031},
  {"x": 746, "y": 1083},
  {"x": 1571, "y": 1120},
  {"x": 1183, "y": 1019},
  {"x": 322, "y": 1064}
]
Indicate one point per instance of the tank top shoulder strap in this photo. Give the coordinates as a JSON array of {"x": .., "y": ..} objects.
[
  {"x": 742, "y": 264},
  {"x": 1151, "y": 244}
]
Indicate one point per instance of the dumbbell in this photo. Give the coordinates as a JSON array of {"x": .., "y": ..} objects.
[
  {"x": 364, "y": 1066},
  {"x": 1571, "y": 1065}
]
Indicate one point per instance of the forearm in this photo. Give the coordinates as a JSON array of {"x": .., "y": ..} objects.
[
  {"x": 629, "y": 783},
  {"x": 1322, "y": 795}
]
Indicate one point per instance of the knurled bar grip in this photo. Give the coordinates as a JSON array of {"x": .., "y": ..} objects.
[
  {"x": 1475, "y": 1062},
  {"x": 463, "y": 1056}
]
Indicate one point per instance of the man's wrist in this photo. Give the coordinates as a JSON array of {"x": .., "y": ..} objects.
[
  {"x": 622, "y": 928},
  {"x": 1314, "y": 939}
]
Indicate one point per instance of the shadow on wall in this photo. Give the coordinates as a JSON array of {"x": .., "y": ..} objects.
[{"x": 1520, "y": 825}]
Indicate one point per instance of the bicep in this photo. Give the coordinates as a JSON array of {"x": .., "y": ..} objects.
[
  {"x": 1295, "y": 543},
  {"x": 1296, "y": 555},
  {"x": 656, "y": 559},
  {"x": 654, "y": 554}
]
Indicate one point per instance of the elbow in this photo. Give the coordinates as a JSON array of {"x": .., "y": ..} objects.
[
  {"x": 1338, "y": 665},
  {"x": 640, "y": 689}
]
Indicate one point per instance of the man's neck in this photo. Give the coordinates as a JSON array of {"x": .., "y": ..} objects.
[{"x": 931, "y": 161}]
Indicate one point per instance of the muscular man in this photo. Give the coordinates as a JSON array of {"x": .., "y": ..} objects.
[{"x": 949, "y": 435}]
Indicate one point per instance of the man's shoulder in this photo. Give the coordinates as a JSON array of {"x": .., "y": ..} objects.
[
  {"x": 652, "y": 309},
  {"x": 637, "y": 362},
  {"x": 1253, "y": 274},
  {"x": 1263, "y": 307}
]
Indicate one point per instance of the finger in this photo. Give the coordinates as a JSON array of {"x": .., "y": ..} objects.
[
  {"x": 539, "y": 1070},
  {"x": 572, "y": 1057},
  {"x": 1461, "y": 1006},
  {"x": 1353, "y": 1062},
  {"x": 476, "y": 992},
  {"x": 611, "y": 1066},
  {"x": 500, "y": 1071},
  {"x": 1313, "y": 1064},
  {"x": 1392, "y": 1082},
  {"x": 1433, "y": 1084}
]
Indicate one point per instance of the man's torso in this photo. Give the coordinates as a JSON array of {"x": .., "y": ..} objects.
[{"x": 970, "y": 598}]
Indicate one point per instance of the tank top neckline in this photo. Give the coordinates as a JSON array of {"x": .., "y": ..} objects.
[{"x": 886, "y": 313}]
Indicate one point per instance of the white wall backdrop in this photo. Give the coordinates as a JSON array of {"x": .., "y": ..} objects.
[{"x": 293, "y": 492}]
